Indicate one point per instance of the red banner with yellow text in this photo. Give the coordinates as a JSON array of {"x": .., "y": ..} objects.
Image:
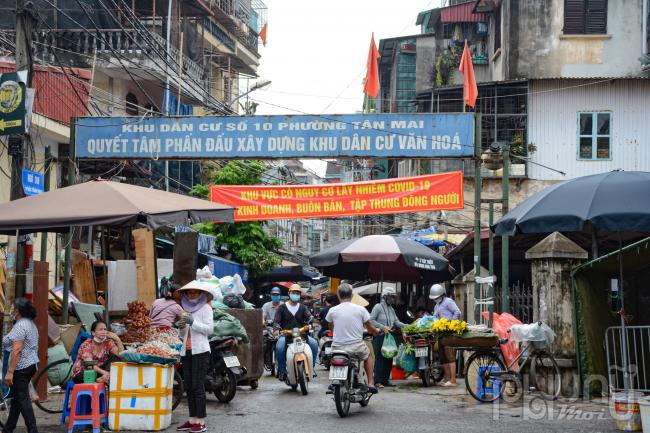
[{"x": 443, "y": 191}]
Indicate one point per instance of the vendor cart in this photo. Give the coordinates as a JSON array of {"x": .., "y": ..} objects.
[{"x": 251, "y": 355}]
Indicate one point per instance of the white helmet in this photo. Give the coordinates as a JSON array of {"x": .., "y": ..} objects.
[
  {"x": 388, "y": 291},
  {"x": 436, "y": 291}
]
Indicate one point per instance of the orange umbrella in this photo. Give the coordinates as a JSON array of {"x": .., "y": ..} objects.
[
  {"x": 470, "y": 90},
  {"x": 285, "y": 284},
  {"x": 371, "y": 85}
]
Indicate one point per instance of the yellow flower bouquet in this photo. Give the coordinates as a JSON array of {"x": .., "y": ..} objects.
[{"x": 448, "y": 327}]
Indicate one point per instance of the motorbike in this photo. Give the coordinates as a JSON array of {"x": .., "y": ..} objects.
[
  {"x": 299, "y": 359},
  {"x": 428, "y": 363},
  {"x": 325, "y": 349},
  {"x": 269, "y": 339},
  {"x": 349, "y": 381},
  {"x": 224, "y": 370}
]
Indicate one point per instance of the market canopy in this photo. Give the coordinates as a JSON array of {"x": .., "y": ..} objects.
[{"x": 106, "y": 203}]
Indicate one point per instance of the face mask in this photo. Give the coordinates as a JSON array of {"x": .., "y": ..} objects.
[
  {"x": 390, "y": 301},
  {"x": 439, "y": 300},
  {"x": 294, "y": 298},
  {"x": 275, "y": 299},
  {"x": 99, "y": 340}
]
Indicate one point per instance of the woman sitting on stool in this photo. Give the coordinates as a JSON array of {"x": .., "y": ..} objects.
[{"x": 103, "y": 348}]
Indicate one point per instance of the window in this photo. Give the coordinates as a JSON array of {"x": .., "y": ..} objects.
[
  {"x": 585, "y": 17},
  {"x": 497, "y": 30},
  {"x": 131, "y": 104},
  {"x": 594, "y": 135}
]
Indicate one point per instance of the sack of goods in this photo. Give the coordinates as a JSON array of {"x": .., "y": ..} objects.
[{"x": 226, "y": 325}]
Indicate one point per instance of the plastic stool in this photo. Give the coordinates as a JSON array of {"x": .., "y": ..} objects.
[
  {"x": 88, "y": 406},
  {"x": 494, "y": 388},
  {"x": 66, "y": 402}
]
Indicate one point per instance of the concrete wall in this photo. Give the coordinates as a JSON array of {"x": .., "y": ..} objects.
[
  {"x": 553, "y": 107},
  {"x": 425, "y": 62},
  {"x": 539, "y": 49}
]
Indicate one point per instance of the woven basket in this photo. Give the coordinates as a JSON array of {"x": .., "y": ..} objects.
[{"x": 470, "y": 339}]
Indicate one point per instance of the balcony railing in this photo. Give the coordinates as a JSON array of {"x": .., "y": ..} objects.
[
  {"x": 129, "y": 43},
  {"x": 236, "y": 16}
]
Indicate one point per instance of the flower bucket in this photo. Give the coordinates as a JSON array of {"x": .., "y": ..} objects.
[{"x": 627, "y": 412}]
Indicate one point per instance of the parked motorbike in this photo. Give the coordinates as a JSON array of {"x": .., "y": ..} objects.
[
  {"x": 429, "y": 366},
  {"x": 325, "y": 349},
  {"x": 299, "y": 359},
  {"x": 269, "y": 339},
  {"x": 224, "y": 370},
  {"x": 349, "y": 381}
]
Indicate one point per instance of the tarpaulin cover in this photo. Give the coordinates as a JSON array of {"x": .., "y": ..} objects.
[{"x": 226, "y": 325}]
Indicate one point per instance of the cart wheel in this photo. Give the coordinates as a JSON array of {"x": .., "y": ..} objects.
[{"x": 254, "y": 384}]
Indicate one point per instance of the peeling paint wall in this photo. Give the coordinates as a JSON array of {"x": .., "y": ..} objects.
[
  {"x": 539, "y": 49},
  {"x": 425, "y": 62}
]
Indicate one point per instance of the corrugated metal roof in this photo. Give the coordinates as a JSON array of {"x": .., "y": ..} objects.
[
  {"x": 55, "y": 98},
  {"x": 461, "y": 13}
]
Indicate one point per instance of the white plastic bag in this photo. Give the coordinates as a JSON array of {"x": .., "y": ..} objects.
[
  {"x": 532, "y": 332},
  {"x": 203, "y": 274},
  {"x": 227, "y": 285},
  {"x": 239, "y": 288}
]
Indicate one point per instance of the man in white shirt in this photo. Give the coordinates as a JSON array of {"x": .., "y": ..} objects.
[{"x": 348, "y": 321}]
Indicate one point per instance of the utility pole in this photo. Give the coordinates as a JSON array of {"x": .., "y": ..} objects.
[
  {"x": 505, "y": 240},
  {"x": 24, "y": 61}
]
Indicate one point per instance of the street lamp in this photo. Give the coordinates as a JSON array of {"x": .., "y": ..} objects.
[{"x": 256, "y": 86}]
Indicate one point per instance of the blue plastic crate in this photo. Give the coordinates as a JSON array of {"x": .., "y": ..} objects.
[{"x": 494, "y": 387}]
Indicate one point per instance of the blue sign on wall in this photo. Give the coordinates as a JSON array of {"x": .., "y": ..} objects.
[
  {"x": 33, "y": 183},
  {"x": 312, "y": 136}
]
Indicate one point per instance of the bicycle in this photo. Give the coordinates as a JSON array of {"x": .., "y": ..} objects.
[
  {"x": 5, "y": 404},
  {"x": 487, "y": 377}
]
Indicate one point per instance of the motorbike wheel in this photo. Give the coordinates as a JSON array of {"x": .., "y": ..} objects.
[
  {"x": 302, "y": 379},
  {"x": 226, "y": 391},
  {"x": 437, "y": 373},
  {"x": 254, "y": 384},
  {"x": 427, "y": 377},
  {"x": 177, "y": 393},
  {"x": 342, "y": 400}
]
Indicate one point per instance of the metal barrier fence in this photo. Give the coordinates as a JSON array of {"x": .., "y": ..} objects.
[{"x": 638, "y": 355}]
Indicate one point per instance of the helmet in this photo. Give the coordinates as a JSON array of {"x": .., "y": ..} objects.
[
  {"x": 436, "y": 291},
  {"x": 275, "y": 291},
  {"x": 388, "y": 291},
  {"x": 295, "y": 288}
]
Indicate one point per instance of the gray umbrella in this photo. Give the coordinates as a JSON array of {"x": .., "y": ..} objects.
[{"x": 616, "y": 201}]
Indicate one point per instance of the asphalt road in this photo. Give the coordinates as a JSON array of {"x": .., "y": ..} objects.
[{"x": 275, "y": 408}]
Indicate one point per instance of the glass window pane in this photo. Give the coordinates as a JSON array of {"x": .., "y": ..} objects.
[
  {"x": 586, "y": 120},
  {"x": 603, "y": 123},
  {"x": 585, "y": 147},
  {"x": 602, "y": 148}
]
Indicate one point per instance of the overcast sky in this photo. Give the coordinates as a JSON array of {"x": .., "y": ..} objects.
[{"x": 317, "y": 50}]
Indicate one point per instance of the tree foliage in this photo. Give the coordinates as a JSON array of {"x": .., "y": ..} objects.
[{"x": 248, "y": 242}]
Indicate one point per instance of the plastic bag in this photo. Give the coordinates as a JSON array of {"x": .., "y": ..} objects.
[
  {"x": 203, "y": 274},
  {"x": 426, "y": 321},
  {"x": 532, "y": 332},
  {"x": 389, "y": 347},
  {"x": 501, "y": 323},
  {"x": 227, "y": 285},
  {"x": 405, "y": 360},
  {"x": 240, "y": 288}
]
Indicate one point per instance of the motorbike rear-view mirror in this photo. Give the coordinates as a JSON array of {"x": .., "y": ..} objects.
[{"x": 410, "y": 314}]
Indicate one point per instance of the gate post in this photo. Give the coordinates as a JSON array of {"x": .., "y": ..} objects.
[{"x": 553, "y": 258}]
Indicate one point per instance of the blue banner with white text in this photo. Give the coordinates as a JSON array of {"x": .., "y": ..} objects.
[{"x": 253, "y": 137}]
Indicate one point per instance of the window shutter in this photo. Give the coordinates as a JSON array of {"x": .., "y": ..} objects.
[
  {"x": 574, "y": 17},
  {"x": 596, "y": 17}
]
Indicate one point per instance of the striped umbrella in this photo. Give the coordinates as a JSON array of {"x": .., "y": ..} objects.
[{"x": 383, "y": 258}]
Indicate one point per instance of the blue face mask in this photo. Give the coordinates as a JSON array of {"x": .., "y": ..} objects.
[
  {"x": 294, "y": 297},
  {"x": 275, "y": 298}
]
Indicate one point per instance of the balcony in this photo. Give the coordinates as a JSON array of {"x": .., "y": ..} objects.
[
  {"x": 241, "y": 18},
  {"x": 78, "y": 47}
]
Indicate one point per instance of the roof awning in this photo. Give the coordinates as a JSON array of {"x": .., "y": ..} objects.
[{"x": 461, "y": 13}]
